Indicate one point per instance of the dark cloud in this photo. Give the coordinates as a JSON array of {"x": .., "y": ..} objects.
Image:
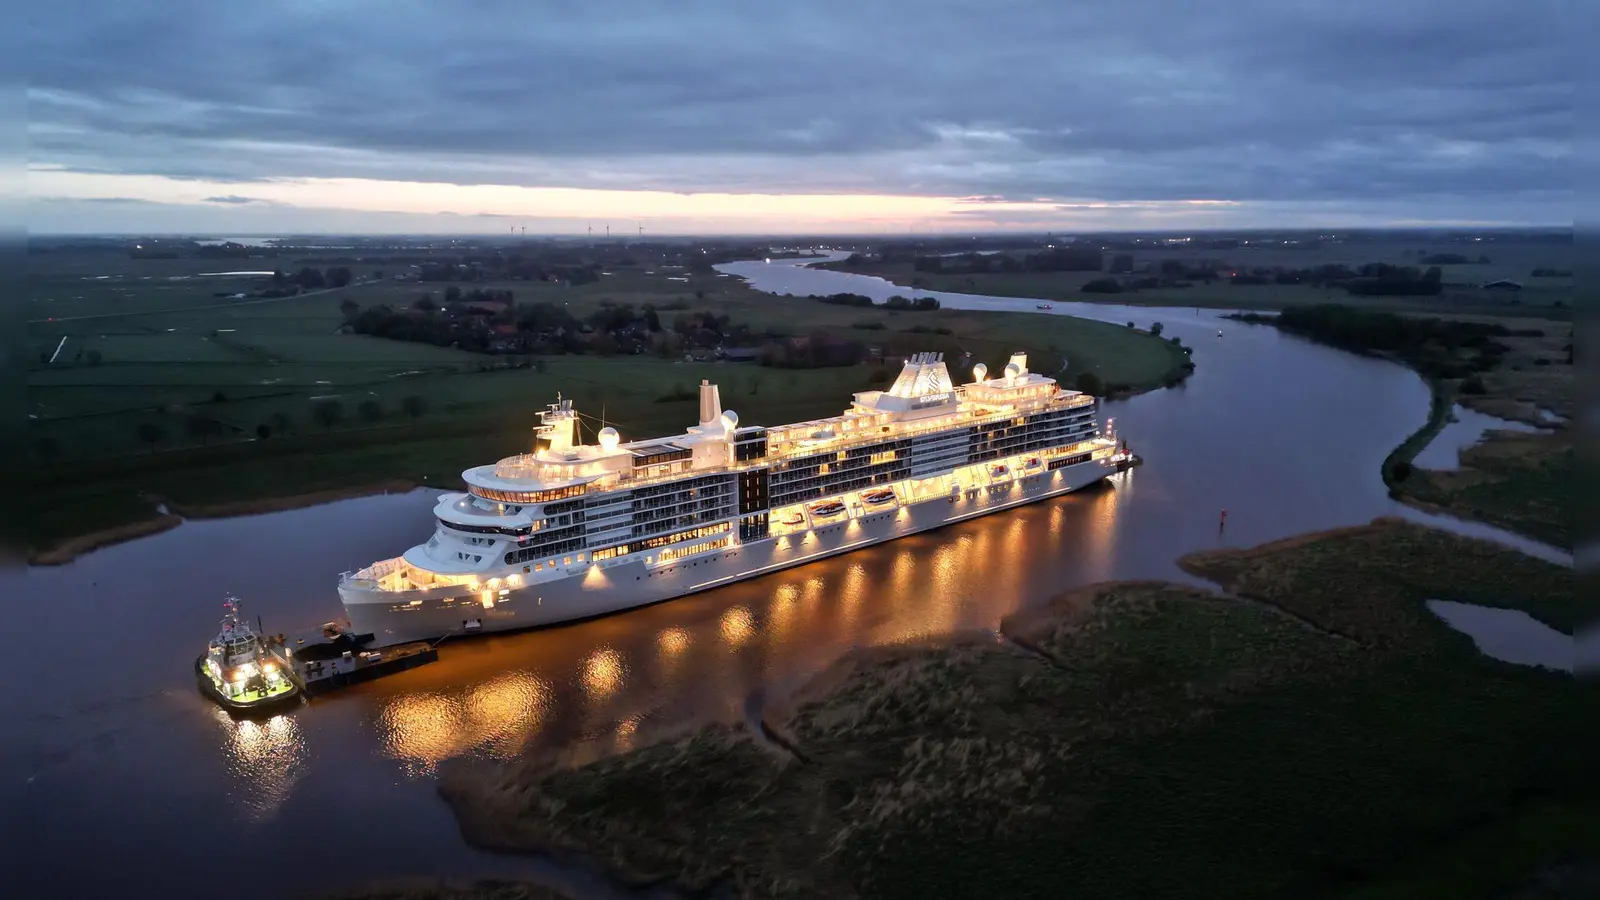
[{"x": 1316, "y": 101}]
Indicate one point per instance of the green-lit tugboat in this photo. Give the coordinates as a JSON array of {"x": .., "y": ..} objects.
[{"x": 243, "y": 673}]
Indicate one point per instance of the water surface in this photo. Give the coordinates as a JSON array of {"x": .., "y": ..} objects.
[
  {"x": 1509, "y": 635},
  {"x": 1466, "y": 427}
]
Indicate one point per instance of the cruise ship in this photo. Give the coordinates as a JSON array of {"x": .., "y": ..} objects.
[{"x": 574, "y": 529}]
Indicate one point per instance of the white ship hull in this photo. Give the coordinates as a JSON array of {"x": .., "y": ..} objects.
[{"x": 584, "y": 591}]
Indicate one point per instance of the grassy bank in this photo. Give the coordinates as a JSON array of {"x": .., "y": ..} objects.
[{"x": 1132, "y": 739}]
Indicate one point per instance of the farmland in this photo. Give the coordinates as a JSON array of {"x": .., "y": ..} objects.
[
  {"x": 152, "y": 385},
  {"x": 1548, "y": 296}
]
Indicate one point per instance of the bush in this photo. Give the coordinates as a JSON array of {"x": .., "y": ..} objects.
[
  {"x": 869, "y": 326},
  {"x": 1089, "y": 383},
  {"x": 263, "y": 431}
]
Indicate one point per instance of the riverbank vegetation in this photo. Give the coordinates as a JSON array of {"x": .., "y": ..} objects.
[
  {"x": 1317, "y": 731},
  {"x": 165, "y": 392},
  {"x": 1526, "y": 275},
  {"x": 1516, "y": 369}
]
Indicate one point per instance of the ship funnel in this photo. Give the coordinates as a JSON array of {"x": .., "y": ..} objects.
[
  {"x": 1020, "y": 360},
  {"x": 710, "y": 403}
]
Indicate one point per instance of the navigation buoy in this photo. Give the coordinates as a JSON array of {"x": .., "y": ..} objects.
[{"x": 1223, "y": 522}]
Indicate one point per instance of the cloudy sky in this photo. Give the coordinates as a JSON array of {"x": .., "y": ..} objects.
[{"x": 691, "y": 117}]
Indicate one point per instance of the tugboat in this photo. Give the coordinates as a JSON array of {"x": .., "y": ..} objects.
[{"x": 243, "y": 673}]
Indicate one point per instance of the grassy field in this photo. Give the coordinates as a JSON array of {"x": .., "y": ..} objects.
[
  {"x": 1509, "y": 261},
  {"x": 208, "y": 376},
  {"x": 1327, "y": 735}
]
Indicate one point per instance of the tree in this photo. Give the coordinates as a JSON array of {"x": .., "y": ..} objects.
[
  {"x": 348, "y": 308},
  {"x": 151, "y": 433},
  {"x": 94, "y": 357},
  {"x": 652, "y": 320},
  {"x": 263, "y": 431},
  {"x": 328, "y": 412},
  {"x": 424, "y": 304},
  {"x": 219, "y": 397},
  {"x": 1089, "y": 383},
  {"x": 1155, "y": 329},
  {"x": 413, "y": 406},
  {"x": 452, "y": 294},
  {"x": 279, "y": 423},
  {"x": 370, "y": 410},
  {"x": 338, "y": 276}
]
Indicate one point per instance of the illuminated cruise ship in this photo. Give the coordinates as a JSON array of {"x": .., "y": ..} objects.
[{"x": 574, "y": 530}]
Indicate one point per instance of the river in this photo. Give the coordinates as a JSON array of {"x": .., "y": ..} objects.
[{"x": 118, "y": 773}]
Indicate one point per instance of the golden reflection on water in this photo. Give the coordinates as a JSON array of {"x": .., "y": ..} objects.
[
  {"x": 602, "y": 674},
  {"x": 1100, "y": 540},
  {"x": 737, "y": 626},
  {"x": 497, "y": 716},
  {"x": 673, "y": 642},
  {"x": 264, "y": 759}
]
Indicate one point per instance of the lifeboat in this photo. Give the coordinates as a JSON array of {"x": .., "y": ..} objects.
[
  {"x": 880, "y": 495},
  {"x": 998, "y": 471},
  {"x": 827, "y": 508},
  {"x": 795, "y": 519}
]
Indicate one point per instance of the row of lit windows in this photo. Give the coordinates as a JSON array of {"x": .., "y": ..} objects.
[
  {"x": 527, "y": 496},
  {"x": 684, "y": 535},
  {"x": 692, "y": 549},
  {"x": 1065, "y": 461},
  {"x": 516, "y": 556},
  {"x": 624, "y": 549}
]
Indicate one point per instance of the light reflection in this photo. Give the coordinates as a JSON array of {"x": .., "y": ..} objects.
[
  {"x": 673, "y": 642},
  {"x": 1099, "y": 541},
  {"x": 498, "y": 716},
  {"x": 266, "y": 759},
  {"x": 737, "y": 626},
  {"x": 602, "y": 674}
]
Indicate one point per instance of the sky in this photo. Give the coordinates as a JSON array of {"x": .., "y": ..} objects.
[{"x": 888, "y": 117}]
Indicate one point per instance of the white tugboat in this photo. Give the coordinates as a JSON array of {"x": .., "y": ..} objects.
[{"x": 241, "y": 671}]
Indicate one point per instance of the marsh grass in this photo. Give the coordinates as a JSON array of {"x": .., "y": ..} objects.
[{"x": 1317, "y": 730}]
